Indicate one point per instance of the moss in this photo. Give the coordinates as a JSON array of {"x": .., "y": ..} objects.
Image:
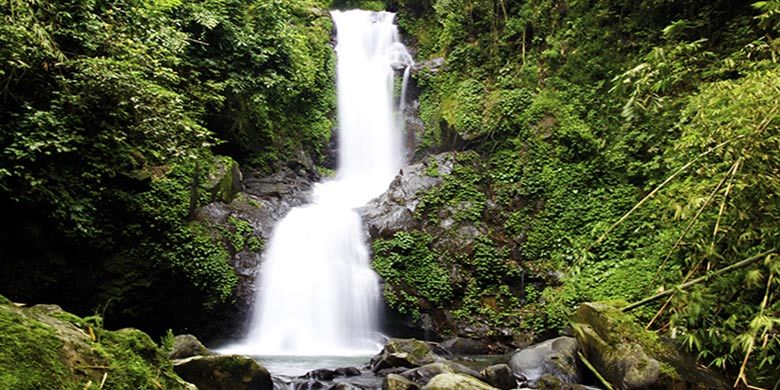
[
  {"x": 31, "y": 355},
  {"x": 47, "y": 348}
]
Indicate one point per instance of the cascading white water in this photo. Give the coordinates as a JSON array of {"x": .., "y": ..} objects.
[{"x": 318, "y": 294}]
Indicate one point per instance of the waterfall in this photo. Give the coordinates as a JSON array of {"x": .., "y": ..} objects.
[{"x": 318, "y": 294}]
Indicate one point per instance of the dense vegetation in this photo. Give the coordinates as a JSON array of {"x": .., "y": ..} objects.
[
  {"x": 113, "y": 114},
  {"x": 569, "y": 114},
  {"x": 606, "y": 150}
]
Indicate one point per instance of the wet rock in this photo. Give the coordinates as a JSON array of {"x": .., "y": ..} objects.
[
  {"x": 556, "y": 357},
  {"x": 500, "y": 376},
  {"x": 224, "y": 372},
  {"x": 322, "y": 374},
  {"x": 389, "y": 371},
  {"x": 409, "y": 353},
  {"x": 465, "y": 346},
  {"x": 394, "y": 210},
  {"x": 310, "y": 384},
  {"x": 347, "y": 371},
  {"x": 346, "y": 386},
  {"x": 397, "y": 382},
  {"x": 423, "y": 375},
  {"x": 187, "y": 345},
  {"x": 456, "y": 382},
  {"x": 631, "y": 357}
]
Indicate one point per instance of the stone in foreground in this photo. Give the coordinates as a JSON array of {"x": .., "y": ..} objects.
[
  {"x": 409, "y": 353},
  {"x": 224, "y": 372},
  {"x": 556, "y": 357},
  {"x": 456, "y": 382}
]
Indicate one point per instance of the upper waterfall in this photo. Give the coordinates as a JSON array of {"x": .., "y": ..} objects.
[{"x": 318, "y": 294}]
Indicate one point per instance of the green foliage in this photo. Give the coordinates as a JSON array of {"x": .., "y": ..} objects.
[
  {"x": 112, "y": 113},
  {"x": 407, "y": 263}
]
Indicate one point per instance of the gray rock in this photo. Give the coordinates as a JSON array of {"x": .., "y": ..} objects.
[
  {"x": 397, "y": 382},
  {"x": 456, "y": 382},
  {"x": 500, "y": 376},
  {"x": 187, "y": 345},
  {"x": 224, "y": 372},
  {"x": 433, "y": 65},
  {"x": 556, "y": 357},
  {"x": 394, "y": 210}
]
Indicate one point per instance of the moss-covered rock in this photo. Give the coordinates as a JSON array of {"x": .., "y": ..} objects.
[
  {"x": 224, "y": 372},
  {"x": 408, "y": 353},
  {"x": 456, "y": 382},
  {"x": 43, "y": 347},
  {"x": 397, "y": 382},
  {"x": 630, "y": 357}
]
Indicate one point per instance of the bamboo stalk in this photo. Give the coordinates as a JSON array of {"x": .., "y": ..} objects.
[
  {"x": 698, "y": 280},
  {"x": 587, "y": 363},
  {"x": 658, "y": 188}
]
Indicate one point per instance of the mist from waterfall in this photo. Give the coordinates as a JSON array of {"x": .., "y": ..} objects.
[{"x": 318, "y": 294}]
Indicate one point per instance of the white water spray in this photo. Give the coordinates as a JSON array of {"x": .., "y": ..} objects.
[{"x": 318, "y": 294}]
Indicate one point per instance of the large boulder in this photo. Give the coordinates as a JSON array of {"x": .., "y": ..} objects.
[
  {"x": 409, "y": 353},
  {"x": 556, "y": 357},
  {"x": 224, "y": 372},
  {"x": 187, "y": 345},
  {"x": 630, "y": 357},
  {"x": 451, "y": 381}
]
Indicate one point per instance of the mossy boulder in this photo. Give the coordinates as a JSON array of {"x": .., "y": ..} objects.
[
  {"x": 630, "y": 357},
  {"x": 224, "y": 372},
  {"x": 409, "y": 353},
  {"x": 451, "y": 381},
  {"x": 397, "y": 382},
  {"x": 224, "y": 180},
  {"x": 44, "y": 347},
  {"x": 187, "y": 345}
]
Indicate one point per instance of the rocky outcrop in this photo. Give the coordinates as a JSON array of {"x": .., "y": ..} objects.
[
  {"x": 393, "y": 211},
  {"x": 630, "y": 357},
  {"x": 556, "y": 357},
  {"x": 224, "y": 372},
  {"x": 263, "y": 202}
]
